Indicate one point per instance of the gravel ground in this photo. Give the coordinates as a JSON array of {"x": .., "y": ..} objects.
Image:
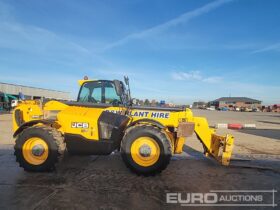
[{"x": 103, "y": 182}]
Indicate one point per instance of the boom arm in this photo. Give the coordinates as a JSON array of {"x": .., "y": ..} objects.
[{"x": 219, "y": 147}]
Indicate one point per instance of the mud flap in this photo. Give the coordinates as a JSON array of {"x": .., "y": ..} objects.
[{"x": 221, "y": 148}]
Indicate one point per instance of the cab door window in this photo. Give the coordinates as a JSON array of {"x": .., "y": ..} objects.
[
  {"x": 96, "y": 95},
  {"x": 111, "y": 96}
]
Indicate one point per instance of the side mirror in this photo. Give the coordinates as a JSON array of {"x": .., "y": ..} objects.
[
  {"x": 134, "y": 101},
  {"x": 126, "y": 80},
  {"x": 119, "y": 87}
]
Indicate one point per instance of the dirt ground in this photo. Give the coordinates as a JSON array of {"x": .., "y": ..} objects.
[{"x": 103, "y": 182}]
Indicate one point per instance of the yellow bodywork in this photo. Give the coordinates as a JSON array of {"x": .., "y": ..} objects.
[
  {"x": 31, "y": 110},
  {"x": 219, "y": 147}
]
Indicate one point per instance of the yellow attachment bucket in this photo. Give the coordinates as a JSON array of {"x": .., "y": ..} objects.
[{"x": 221, "y": 148}]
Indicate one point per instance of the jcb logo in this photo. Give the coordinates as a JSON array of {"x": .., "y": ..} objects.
[{"x": 79, "y": 125}]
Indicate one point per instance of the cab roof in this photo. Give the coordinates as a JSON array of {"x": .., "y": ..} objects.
[{"x": 82, "y": 81}]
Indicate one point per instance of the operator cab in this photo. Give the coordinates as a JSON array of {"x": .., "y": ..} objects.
[{"x": 102, "y": 92}]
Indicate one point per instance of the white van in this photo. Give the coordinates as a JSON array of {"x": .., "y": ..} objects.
[{"x": 14, "y": 103}]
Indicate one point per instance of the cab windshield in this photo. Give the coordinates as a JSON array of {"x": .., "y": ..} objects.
[{"x": 99, "y": 92}]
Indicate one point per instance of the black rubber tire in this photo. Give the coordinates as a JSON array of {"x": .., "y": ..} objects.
[
  {"x": 162, "y": 140},
  {"x": 53, "y": 139}
]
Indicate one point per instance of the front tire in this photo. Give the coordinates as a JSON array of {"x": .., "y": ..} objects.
[
  {"x": 38, "y": 148},
  {"x": 146, "y": 150}
]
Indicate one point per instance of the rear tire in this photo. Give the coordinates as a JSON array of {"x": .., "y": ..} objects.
[
  {"x": 50, "y": 138},
  {"x": 159, "y": 141}
]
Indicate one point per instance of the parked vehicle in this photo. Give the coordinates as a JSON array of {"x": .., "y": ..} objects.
[
  {"x": 248, "y": 109},
  {"x": 223, "y": 109},
  {"x": 146, "y": 137},
  {"x": 211, "y": 108},
  {"x": 14, "y": 103}
]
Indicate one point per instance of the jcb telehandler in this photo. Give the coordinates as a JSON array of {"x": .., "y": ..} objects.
[{"x": 104, "y": 119}]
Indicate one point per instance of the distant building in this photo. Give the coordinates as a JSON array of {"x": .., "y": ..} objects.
[
  {"x": 236, "y": 102},
  {"x": 276, "y": 108},
  {"x": 13, "y": 90},
  {"x": 199, "y": 105}
]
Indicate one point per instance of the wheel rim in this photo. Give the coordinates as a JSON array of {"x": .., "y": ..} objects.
[
  {"x": 35, "y": 151},
  {"x": 145, "y": 151}
]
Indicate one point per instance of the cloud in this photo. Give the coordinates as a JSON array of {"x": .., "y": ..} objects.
[
  {"x": 195, "y": 76},
  {"x": 34, "y": 39},
  {"x": 183, "y": 18},
  {"x": 273, "y": 47},
  {"x": 31, "y": 41},
  {"x": 50, "y": 51},
  {"x": 240, "y": 46},
  {"x": 212, "y": 79}
]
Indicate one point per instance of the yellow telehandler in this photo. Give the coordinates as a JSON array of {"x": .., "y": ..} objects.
[{"x": 104, "y": 119}]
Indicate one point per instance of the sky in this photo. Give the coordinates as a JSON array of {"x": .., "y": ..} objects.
[{"x": 179, "y": 51}]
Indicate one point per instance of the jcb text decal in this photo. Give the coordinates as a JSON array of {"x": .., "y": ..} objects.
[{"x": 79, "y": 125}]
